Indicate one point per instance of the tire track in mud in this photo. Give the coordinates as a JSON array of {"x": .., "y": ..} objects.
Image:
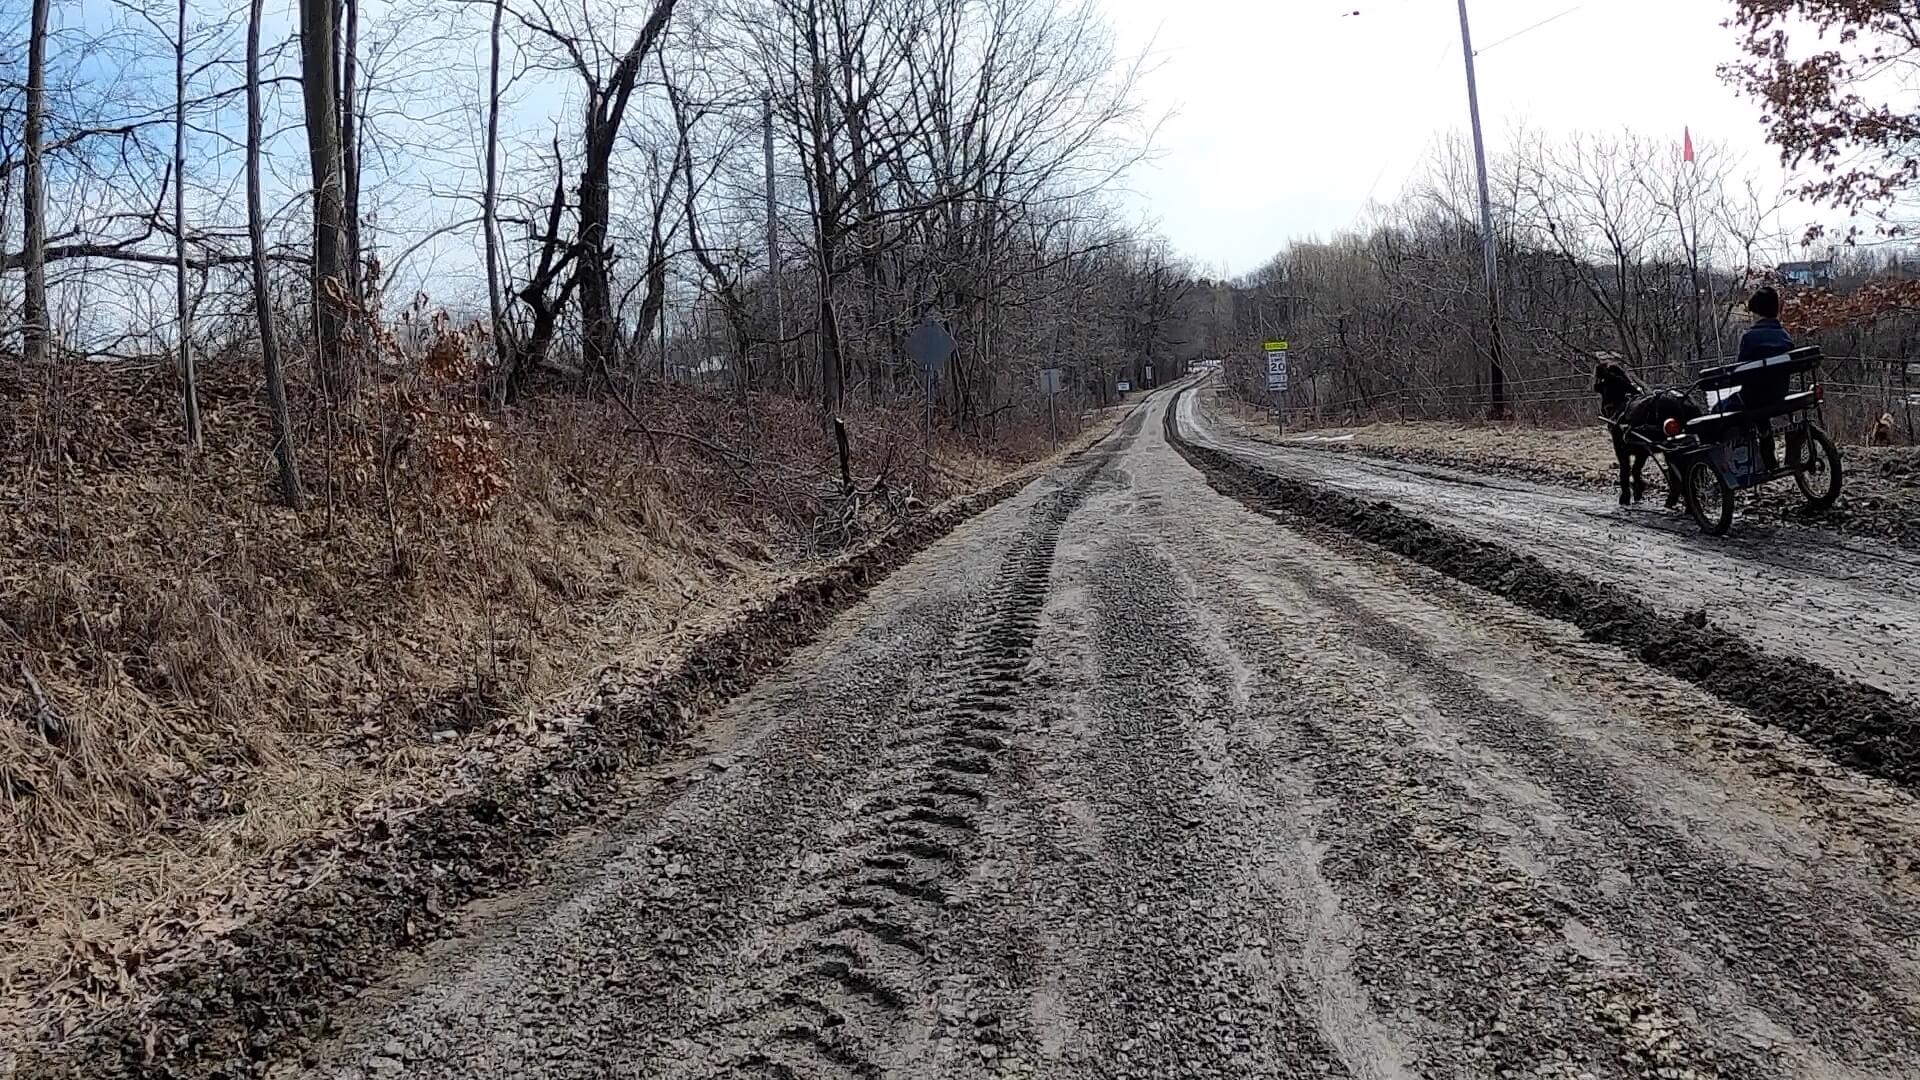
[
  {"x": 1687, "y": 906},
  {"x": 1856, "y": 725},
  {"x": 1803, "y": 981},
  {"x": 854, "y": 969},
  {"x": 1420, "y": 949},
  {"x": 1188, "y": 964}
]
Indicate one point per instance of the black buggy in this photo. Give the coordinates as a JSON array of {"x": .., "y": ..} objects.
[{"x": 1762, "y": 424}]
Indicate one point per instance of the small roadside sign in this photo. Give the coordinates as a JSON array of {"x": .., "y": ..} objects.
[
  {"x": 1052, "y": 381},
  {"x": 1125, "y": 386},
  {"x": 930, "y": 345},
  {"x": 1277, "y": 366}
]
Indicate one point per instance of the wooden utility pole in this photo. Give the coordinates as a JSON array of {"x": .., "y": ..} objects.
[{"x": 1489, "y": 248}]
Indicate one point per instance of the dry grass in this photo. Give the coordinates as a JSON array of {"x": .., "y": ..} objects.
[
  {"x": 1581, "y": 453},
  {"x": 193, "y": 681}
]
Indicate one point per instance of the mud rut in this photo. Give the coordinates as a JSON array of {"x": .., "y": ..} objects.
[
  {"x": 1128, "y": 780},
  {"x": 844, "y": 987}
]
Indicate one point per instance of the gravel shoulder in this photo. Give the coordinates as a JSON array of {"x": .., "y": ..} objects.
[{"x": 1124, "y": 779}]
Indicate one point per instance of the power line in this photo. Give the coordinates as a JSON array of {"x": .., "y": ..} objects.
[
  {"x": 1446, "y": 50},
  {"x": 1528, "y": 30}
]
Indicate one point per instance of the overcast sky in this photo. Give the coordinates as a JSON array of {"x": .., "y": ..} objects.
[{"x": 1289, "y": 115}]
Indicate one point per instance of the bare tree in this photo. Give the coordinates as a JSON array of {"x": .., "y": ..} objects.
[
  {"x": 590, "y": 252},
  {"x": 283, "y": 449},
  {"x": 183, "y": 307},
  {"x": 490, "y": 198},
  {"x": 318, "y": 64},
  {"x": 347, "y": 15},
  {"x": 35, "y": 317}
]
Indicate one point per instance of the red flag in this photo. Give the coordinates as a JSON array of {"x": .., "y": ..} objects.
[{"x": 1686, "y": 151}]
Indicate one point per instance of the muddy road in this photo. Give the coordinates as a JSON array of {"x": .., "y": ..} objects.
[
  {"x": 1123, "y": 779},
  {"x": 1848, "y": 603}
]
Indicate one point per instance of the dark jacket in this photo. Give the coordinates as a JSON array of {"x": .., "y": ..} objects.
[{"x": 1765, "y": 339}]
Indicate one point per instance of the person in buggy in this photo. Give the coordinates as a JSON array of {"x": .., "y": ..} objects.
[{"x": 1765, "y": 339}]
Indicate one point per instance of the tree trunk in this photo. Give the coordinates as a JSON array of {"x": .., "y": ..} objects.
[
  {"x": 601, "y": 334},
  {"x": 829, "y": 337},
  {"x": 774, "y": 322},
  {"x": 262, "y": 304},
  {"x": 350, "y": 148},
  {"x": 317, "y": 65},
  {"x": 551, "y": 274},
  {"x": 657, "y": 296},
  {"x": 189, "y": 377},
  {"x": 37, "y": 329},
  {"x": 490, "y": 201},
  {"x": 604, "y": 116}
]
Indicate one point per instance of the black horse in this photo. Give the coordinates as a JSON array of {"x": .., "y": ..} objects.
[{"x": 1637, "y": 417}]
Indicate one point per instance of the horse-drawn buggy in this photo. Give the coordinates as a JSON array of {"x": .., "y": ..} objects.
[{"x": 1761, "y": 423}]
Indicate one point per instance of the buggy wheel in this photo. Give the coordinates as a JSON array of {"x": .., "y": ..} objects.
[
  {"x": 1816, "y": 464},
  {"x": 1709, "y": 499}
]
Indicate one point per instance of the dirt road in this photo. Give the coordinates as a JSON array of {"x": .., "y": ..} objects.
[
  {"x": 1848, "y": 603},
  {"x": 1124, "y": 779}
]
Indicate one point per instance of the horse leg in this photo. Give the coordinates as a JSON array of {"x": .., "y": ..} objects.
[
  {"x": 1673, "y": 482},
  {"x": 1639, "y": 481},
  {"x": 1620, "y": 455}
]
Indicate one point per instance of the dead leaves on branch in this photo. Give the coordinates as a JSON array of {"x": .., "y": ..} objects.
[
  {"x": 427, "y": 436},
  {"x": 1825, "y": 107},
  {"x": 1813, "y": 310}
]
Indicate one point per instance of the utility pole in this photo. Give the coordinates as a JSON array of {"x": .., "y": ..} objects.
[{"x": 1489, "y": 251}]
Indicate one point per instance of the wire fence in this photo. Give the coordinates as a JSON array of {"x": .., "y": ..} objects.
[{"x": 1866, "y": 399}]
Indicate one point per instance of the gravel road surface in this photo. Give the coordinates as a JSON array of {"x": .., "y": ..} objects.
[
  {"x": 1125, "y": 780},
  {"x": 1849, "y": 603}
]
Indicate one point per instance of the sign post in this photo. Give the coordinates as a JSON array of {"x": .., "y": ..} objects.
[
  {"x": 1051, "y": 381},
  {"x": 930, "y": 346},
  {"x": 1277, "y": 380}
]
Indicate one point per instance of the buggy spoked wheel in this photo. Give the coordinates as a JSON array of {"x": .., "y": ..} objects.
[
  {"x": 1817, "y": 470},
  {"x": 1709, "y": 499}
]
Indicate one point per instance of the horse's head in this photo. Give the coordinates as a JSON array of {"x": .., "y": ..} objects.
[
  {"x": 1609, "y": 373},
  {"x": 1614, "y": 384}
]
